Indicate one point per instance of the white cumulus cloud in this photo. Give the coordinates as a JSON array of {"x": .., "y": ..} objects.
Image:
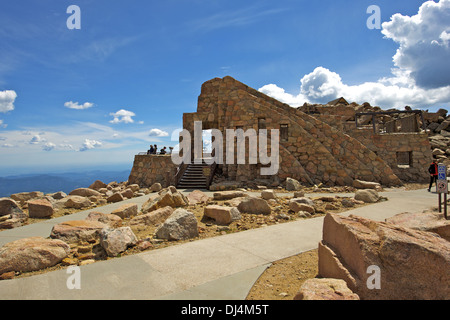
[
  {"x": 158, "y": 133},
  {"x": 420, "y": 75},
  {"x": 122, "y": 115},
  {"x": 90, "y": 144},
  {"x": 49, "y": 146},
  {"x": 76, "y": 106},
  {"x": 423, "y": 40},
  {"x": 7, "y": 99}
]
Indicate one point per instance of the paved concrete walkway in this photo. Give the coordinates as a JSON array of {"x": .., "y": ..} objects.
[{"x": 221, "y": 268}]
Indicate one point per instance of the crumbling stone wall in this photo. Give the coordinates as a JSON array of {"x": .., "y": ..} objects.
[{"x": 314, "y": 151}]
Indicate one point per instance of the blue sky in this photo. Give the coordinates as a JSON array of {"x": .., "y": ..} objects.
[{"x": 96, "y": 96}]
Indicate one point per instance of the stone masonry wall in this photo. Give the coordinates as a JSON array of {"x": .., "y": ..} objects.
[
  {"x": 149, "y": 169},
  {"x": 314, "y": 151}
]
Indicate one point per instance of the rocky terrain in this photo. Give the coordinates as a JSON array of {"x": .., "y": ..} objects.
[
  {"x": 407, "y": 246},
  {"x": 168, "y": 218}
]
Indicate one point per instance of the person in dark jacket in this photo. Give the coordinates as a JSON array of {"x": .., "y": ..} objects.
[{"x": 433, "y": 170}]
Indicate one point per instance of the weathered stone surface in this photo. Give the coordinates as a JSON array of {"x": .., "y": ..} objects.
[
  {"x": 115, "y": 197},
  {"x": 181, "y": 225},
  {"x": 197, "y": 196},
  {"x": 367, "y": 196},
  {"x": 76, "y": 202},
  {"x": 32, "y": 254},
  {"x": 413, "y": 264},
  {"x": 155, "y": 217},
  {"x": 299, "y": 194},
  {"x": 84, "y": 192},
  {"x": 58, "y": 195},
  {"x": 116, "y": 241},
  {"x": 298, "y": 206},
  {"x": 23, "y": 197},
  {"x": 13, "y": 220},
  {"x": 222, "y": 215},
  {"x": 9, "y": 206},
  {"x": 166, "y": 197},
  {"x": 268, "y": 194},
  {"x": 77, "y": 230},
  {"x": 156, "y": 187},
  {"x": 39, "y": 208},
  {"x": 358, "y": 184},
  {"x": 111, "y": 220},
  {"x": 127, "y": 210},
  {"x": 97, "y": 185},
  {"x": 293, "y": 185},
  {"x": 127, "y": 193},
  {"x": 325, "y": 289},
  {"x": 425, "y": 221},
  {"x": 303, "y": 200},
  {"x": 254, "y": 205},
  {"x": 227, "y": 195}
]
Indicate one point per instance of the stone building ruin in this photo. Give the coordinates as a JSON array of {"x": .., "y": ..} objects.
[{"x": 332, "y": 144}]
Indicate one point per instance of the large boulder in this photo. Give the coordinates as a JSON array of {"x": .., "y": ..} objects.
[
  {"x": 9, "y": 206},
  {"x": 153, "y": 218},
  {"x": 325, "y": 289},
  {"x": 127, "y": 210},
  {"x": 293, "y": 185},
  {"x": 367, "y": 196},
  {"x": 254, "y": 205},
  {"x": 76, "y": 202},
  {"x": 97, "y": 185},
  {"x": 425, "y": 221},
  {"x": 39, "y": 208},
  {"x": 32, "y": 254},
  {"x": 298, "y": 207},
  {"x": 359, "y": 184},
  {"x": 222, "y": 215},
  {"x": 181, "y": 225},
  {"x": 156, "y": 187},
  {"x": 228, "y": 195},
  {"x": 111, "y": 220},
  {"x": 77, "y": 230},
  {"x": 23, "y": 197},
  {"x": 116, "y": 241},
  {"x": 166, "y": 197},
  {"x": 268, "y": 194},
  {"x": 197, "y": 196},
  {"x": 115, "y": 197},
  {"x": 84, "y": 192},
  {"x": 411, "y": 264}
]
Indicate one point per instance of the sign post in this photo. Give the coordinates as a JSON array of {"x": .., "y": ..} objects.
[{"x": 442, "y": 188}]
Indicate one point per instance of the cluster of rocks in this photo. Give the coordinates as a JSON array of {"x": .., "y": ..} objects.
[
  {"x": 16, "y": 210},
  {"x": 438, "y": 127},
  {"x": 407, "y": 257},
  {"x": 168, "y": 216}
]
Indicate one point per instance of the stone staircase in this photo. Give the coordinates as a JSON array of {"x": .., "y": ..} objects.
[{"x": 194, "y": 178}]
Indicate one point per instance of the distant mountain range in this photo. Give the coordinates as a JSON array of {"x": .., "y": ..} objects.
[{"x": 54, "y": 182}]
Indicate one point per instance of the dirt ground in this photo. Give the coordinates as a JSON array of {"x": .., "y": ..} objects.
[{"x": 283, "y": 279}]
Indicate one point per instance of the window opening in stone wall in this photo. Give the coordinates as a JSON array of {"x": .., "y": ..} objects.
[
  {"x": 404, "y": 159},
  {"x": 284, "y": 132}
]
